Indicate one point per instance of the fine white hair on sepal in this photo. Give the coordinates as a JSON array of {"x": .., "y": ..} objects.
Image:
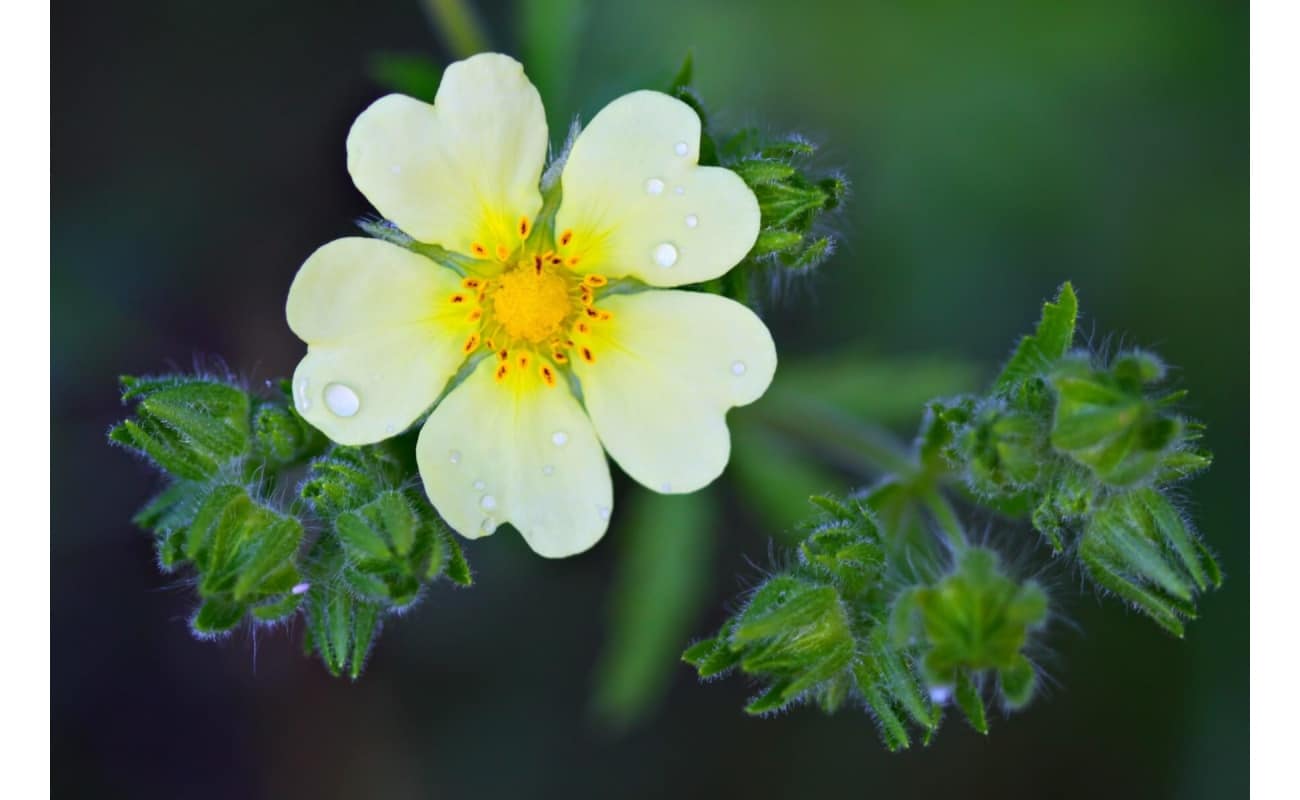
[{"x": 554, "y": 169}]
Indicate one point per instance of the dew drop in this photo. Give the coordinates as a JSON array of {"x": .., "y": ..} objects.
[
  {"x": 654, "y": 186},
  {"x": 681, "y": 148},
  {"x": 454, "y": 456},
  {"x": 548, "y": 470},
  {"x": 300, "y": 394},
  {"x": 939, "y": 695},
  {"x": 665, "y": 255},
  {"x": 341, "y": 400},
  {"x": 300, "y": 588},
  {"x": 390, "y": 429},
  {"x": 603, "y": 511},
  {"x": 396, "y": 169},
  {"x": 679, "y": 190},
  {"x": 738, "y": 368},
  {"x": 559, "y": 438},
  {"x": 692, "y": 220},
  {"x": 488, "y": 502},
  {"x": 665, "y": 487},
  {"x": 479, "y": 486},
  {"x": 487, "y": 525}
]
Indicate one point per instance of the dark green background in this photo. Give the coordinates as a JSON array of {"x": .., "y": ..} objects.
[{"x": 996, "y": 149}]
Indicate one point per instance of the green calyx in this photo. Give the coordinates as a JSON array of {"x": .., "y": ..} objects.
[{"x": 229, "y": 456}]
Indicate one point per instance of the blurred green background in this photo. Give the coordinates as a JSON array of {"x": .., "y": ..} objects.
[{"x": 995, "y": 149}]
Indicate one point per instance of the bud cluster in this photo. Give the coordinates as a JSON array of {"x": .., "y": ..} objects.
[
  {"x": 349, "y": 549},
  {"x": 889, "y": 604}
]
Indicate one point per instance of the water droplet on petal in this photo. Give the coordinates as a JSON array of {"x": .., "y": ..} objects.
[
  {"x": 681, "y": 148},
  {"x": 396, "y": 169},
  {"x": 654, "y": 186},
  {"x": 559, "y": 438},
  {"x": 300, "y": 588},
  {"x": 548, "y": 470},
  {"x": 454, "y": 456},
  {"x": 738, "y": 368},
  {"x": 341, "y": 400},
  {"x": 692, "y": 220},
  {"x": 665, "y": 255},
  {"x": 665, "y": 487},
  {"x": 479, "y": 486},
  {"x": 679, "y": 190},
  {"x": 488, "y": 502},
  {"x": 487, "y": 525},
  {"x": 603, "y": 511},
  {"x": 939, "y": 695},
  {"x": 390, "y": 429}
]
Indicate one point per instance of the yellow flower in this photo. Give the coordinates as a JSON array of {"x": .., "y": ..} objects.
[{"x": 555, "y": 326}]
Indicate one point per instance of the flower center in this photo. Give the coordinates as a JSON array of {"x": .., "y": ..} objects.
[
  {"x": 536, "y": 312},
  {"x": 531, "y": 303}
]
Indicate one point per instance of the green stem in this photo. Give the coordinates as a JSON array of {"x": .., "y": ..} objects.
[
  {"x": 945, "y": 516},
  {"x": 457, "y": 23},
  {"x": 863, "y": 448}
]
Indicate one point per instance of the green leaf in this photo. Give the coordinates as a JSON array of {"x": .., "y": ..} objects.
[
  {"x": 1052, "y": 339},
  {"x": 662, "y": 573}
]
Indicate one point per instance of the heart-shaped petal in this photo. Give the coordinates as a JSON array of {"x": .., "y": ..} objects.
[
  {"x": 516, "y": 451},
  {"x": 637, "y": 203},
  {"x": 661, "y": 375},
  {"x": 463, "y": 170}
]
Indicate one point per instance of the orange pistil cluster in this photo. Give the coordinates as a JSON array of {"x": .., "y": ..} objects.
[{"x": 534, "y": 311}]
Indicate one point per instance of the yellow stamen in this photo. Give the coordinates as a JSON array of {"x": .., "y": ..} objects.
[{"x": 531, "y": 304}]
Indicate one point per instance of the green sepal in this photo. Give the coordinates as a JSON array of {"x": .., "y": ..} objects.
[
  {"x": 244, "y": 554},
  {"x": 970, "y": 702},
  {"x": 277, "y": 610},
  {"x": 389, "y": 549},
  {"x": 454, "y": 567},
  {"x": 1017, "y": 682},
  {"x": 190, "y": 427},
  {"x": 280, "y": 434},
  {"x": 346, "y": 478},
  {"x": 893, "y": 731},
  {"x": 343, "y": 629},
  {"x": 1137, "y": 546},
  {"x": 973, "y": 620},
  {"x": 216, "y": 616},
  {"x": 1036, "y": 353},
  {"x": 1106, "y": 421}
]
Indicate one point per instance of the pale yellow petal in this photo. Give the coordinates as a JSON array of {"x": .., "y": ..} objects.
[
  {"x": 638, "y": 204},
  {"x": 664, "y": 370},
  {"x": 382, "y": 337},
  {"x": 516, "y": 451},
  {"x": 462, "y": 170}
]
